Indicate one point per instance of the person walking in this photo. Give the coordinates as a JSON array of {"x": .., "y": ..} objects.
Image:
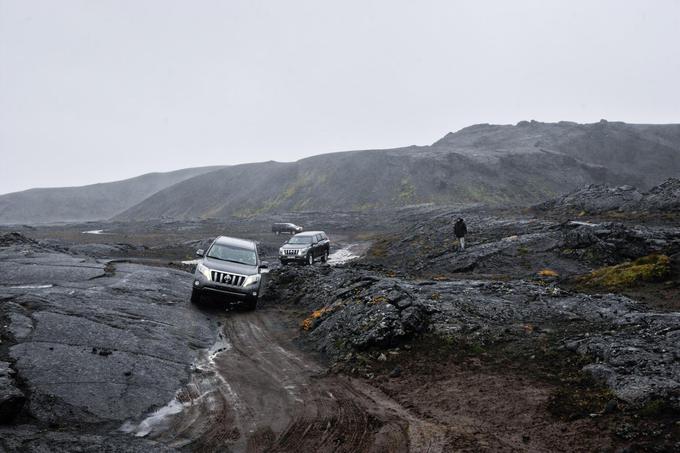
[{"x": 460, "y": 230}]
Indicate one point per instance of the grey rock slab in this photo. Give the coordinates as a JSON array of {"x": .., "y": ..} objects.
[
  {"x": 28, "y": 438},
  {"x": 104, "y": 344},
  {"x": 13, "y": 273},
  {"x": 20, "y": 325},
  {"x": 11, "y": 398},
  {"x": 69, "y": 382}
]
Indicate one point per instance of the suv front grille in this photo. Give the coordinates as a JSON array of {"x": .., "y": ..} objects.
[
  {"x": 291, "y": 251},
  {"x": 227, "y": 278}
]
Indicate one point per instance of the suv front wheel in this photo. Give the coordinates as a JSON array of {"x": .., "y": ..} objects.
[
  {"x": 250, "y": 304},
  {"x": 310, "y": 259}
]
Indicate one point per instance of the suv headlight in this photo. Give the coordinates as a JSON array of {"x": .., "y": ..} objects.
[
  {"x": 251, "y": 280},
  {"x": 202, "y": 269}
]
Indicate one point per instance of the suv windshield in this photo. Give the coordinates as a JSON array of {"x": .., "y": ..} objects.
[
  {"x": 300, "y": 240},
  {"x": 233, "y": 254}
]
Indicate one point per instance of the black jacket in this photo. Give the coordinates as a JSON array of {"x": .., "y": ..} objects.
[{"x": 460, "y": 229}]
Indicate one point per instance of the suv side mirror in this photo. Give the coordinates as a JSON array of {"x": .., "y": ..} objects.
[
  {"x": 200, "y": 252},
  {"x": 264, "y": 267}
]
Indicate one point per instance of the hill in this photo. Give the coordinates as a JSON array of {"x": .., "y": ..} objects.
[
  {"x": 495, "y": 164},
  {"x": 91, "y": 202}
]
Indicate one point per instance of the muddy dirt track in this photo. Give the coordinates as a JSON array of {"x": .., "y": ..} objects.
[{"x": 254, "y": 391}]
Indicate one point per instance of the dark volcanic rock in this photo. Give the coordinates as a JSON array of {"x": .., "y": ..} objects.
[
  {"x": 103, "y": 250},
  {"x": 26, "y": 438},
  {"x": 7, "y": 239},
  {"x": 517, "y": 246},
  {"x": 11, "y": 398},
  {"x": 357, "y": 309},
  {"x": 96, "y": 342},
  {"x": 664, "y": 197},
  {"x": 597, "y": 199},
  {"x": 636, "y": 350},
  {"x": 611, "y": 243}
]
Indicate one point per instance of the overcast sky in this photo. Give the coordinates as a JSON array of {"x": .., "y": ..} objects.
[{"x": 94, "y": 90}]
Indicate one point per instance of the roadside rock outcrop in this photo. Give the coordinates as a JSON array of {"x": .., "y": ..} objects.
[
  {"x": 600, "y": 198},
  {"x": 353, "y": 308}
]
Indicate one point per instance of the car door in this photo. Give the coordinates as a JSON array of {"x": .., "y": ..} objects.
[
  {"x": 326, "y": 244},
  {"x": 318, "y": 248}
]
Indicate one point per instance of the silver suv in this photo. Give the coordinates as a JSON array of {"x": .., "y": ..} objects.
[
  {"x": 231, "y": 268},
  {"x": 305, "y": 248}
]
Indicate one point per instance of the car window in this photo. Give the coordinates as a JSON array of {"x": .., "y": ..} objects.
[
  {"x": 233, "y": 254},
  {"x": 300, "y": 240}
]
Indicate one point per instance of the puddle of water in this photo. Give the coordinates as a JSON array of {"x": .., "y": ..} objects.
[
  {"x": 30, "y": 287},
  {"x": 343, "y": 255},
  {"x": 206, "y": 365},
  {"x": 155, "y": 419},
  {"x": 578, "y": 222},
  {"x": 191, "y": 261},
  {"x": 94, "y": 232}
]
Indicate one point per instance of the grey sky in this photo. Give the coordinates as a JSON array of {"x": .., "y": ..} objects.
[{"x": 93, "y": 91}]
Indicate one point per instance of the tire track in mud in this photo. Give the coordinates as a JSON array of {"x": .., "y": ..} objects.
[{"x": 253, "y": 391}]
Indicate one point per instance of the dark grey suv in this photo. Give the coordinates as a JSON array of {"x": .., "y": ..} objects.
[
  {"x": 231, "y": 268},
  {"x": 289, "y": 228},
  {"x": 305, "y": 248}
]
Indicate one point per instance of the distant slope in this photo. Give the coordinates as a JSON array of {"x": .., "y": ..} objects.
[
  {"x": 92, "y": 202},
  {"x": 518, "y": 164}
]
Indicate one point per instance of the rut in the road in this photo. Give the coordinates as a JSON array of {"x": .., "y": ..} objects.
[{"x": 255, "y": 392}]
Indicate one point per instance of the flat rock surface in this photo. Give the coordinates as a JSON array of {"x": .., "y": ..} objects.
[
  {"x": 11, "y": 398},
  {"x": 96, "y": 342}
]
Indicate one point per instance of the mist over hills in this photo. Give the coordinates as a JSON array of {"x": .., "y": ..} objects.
[
  {"x": 495, "y": 164},
  {"x": 91, "y": 202},
  {"x": 485, "y": 163}
]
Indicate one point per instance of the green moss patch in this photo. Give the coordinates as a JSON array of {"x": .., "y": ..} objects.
[{"x": 652, "y": 268}]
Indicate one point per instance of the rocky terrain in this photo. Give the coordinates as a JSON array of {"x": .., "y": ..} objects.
[
  {"x": 88, "y": 343},
  {"x": 550, "y": 332},
  {"x": 602, "y": 199}
]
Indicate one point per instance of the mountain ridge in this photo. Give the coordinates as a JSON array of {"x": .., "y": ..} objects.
[
  {"x": 97, "y": 201},
  {"x": 495, "y": 164},
  {"x": 519, "y": 164}
]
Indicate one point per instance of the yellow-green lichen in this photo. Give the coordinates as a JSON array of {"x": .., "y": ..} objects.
[{"x": 650, "y": 268}]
